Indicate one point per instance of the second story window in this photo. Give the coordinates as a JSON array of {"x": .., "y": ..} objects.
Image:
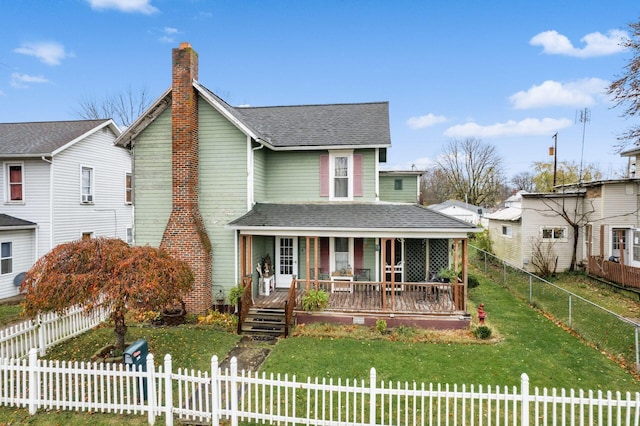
[
  {"x": 87, "y": 185},
  {"x": 15, "y": 183},
  {"x": 128, "y": 190},
  {"x": 341, "y": 177}
]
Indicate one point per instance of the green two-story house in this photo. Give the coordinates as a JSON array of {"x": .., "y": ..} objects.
[{"x": 286, "y": 195}]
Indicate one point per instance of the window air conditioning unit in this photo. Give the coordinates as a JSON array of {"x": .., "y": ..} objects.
[{"x": 87, "y": 198}]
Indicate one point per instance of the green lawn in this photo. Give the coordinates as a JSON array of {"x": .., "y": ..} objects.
[
  {"x": 527, "y": 343},
  {"x": 530, "y": 344}
]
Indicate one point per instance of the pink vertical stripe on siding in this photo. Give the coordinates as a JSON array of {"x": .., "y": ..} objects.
[{"x": 324, "y": 175}]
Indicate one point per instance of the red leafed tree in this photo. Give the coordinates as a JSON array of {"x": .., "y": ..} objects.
[{"x": 105, "y": 272}]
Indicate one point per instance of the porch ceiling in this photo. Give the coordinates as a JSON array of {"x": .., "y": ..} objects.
[{"x": 356, "y": 219}]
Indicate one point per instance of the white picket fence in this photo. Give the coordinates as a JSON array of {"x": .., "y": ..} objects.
[
  {"x": 230, "y": 396},
  {"x": 47, "y": 330}
]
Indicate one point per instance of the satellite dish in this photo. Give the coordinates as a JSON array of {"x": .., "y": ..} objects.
[{"x": 17, "y": 280}]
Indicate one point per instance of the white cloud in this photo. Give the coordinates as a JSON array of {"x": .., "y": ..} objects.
[
  {"x": 22, "y": 81},
  {"x": 425, "y": 121},
  {"x": 596, "y": 44},
  {"x": 48, "y": 52},
  {"x": 128, "y": 6},
  {"x": 169, "y": 32},
  {"x": 577, "y": 93},
  {"x": 526, "y": 127}
]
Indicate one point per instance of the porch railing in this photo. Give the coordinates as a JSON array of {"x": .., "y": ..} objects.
[
  {"x": 625, "y": 275},
  {"x": 246, "y": 301},
  {"x": 425, "y": 297},
  {"x": 290, "y": 306}
]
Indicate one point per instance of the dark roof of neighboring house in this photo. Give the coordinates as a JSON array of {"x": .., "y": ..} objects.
[
  {"x": 42, "y": 138},
  {"x": 343, "y": 216},
  {"x": 7, "y": 221},
  {"x": 292, "y": 127}
]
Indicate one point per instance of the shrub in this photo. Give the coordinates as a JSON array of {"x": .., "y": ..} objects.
[
  {"x": 315, "y": 300},
  {"x": 235, "y": 294},
  {"x": 381, "y": 326},
  {"x": 219, "y": 320},
  {"x": 472, "y": 281},
  {"x": 482, "y": 240},
  {"x": 482, "y": 332}
]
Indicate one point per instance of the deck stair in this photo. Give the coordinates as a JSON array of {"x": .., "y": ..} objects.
[{"x": 264, "y": 322}]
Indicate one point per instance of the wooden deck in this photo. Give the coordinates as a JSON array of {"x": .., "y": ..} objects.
[{"x": 407, "y": 298}]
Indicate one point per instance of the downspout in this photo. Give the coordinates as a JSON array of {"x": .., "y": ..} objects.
[
  {"x": 377, "y": 174},
  {"x": 51, "y": 186},
  {"x": 250, "y": 199}
]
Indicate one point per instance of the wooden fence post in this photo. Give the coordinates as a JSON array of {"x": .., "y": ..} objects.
[
  {"x": 215, "y": 415},
  {"x": 34, "y": 381},
  {"x": 168, "y": 391},
  {"x": 151, "y": 390}
]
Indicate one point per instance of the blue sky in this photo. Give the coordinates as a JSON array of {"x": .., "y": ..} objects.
[{"x": 509, "y": 72}]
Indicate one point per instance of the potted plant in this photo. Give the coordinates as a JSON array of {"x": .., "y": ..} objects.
[
  {"x": 449, "y": 275},
  {"x": 315, "y": 300},
  {"x": 235, "y": 294},
  {"x": 174, "y": 313}
]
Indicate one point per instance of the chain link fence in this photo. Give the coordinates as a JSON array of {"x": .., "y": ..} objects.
[{"x": 605, "y": 330}]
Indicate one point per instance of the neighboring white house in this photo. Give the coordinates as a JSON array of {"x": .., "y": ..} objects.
[
  {"x": 607, "y": 213},
  {"x": 60, "y": 181},
  {"x": 460, "y": 210}
]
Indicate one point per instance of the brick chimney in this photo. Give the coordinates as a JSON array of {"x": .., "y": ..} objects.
[{"x": 185, "y": 236}]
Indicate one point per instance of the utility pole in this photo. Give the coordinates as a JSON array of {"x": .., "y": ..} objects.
[{"x": 554, "y": 151}]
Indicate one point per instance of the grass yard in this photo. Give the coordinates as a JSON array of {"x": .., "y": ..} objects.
[
  {"x": 531, "y": 344},
  {"x": 526, "y": 342},
  {"x": 10, "y": 313}
]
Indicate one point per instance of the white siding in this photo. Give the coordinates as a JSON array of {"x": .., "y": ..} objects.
[
  {"x": 507, "y": 248},
  {"x": 23, "y": 250},
  {"x": 108, "y": 215},
  {"x": 538, "y": 213},
  {"x": 36, "y": 206}
]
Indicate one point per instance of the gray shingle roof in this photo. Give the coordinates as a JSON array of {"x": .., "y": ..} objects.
[
  {"x": 356, "y": 124},
  {"x": 349, "y": 216},
  {"x": 359, "y": 124},
  {"x": 10, "y": 221},
  {"x": 41, "y": 138}
]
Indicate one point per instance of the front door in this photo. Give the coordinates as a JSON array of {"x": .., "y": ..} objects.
[{"x": 286, "y": 260}]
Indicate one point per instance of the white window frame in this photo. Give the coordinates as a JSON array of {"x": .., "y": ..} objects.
[
  {"x": 128, "y": 188},
  {"x": 507, "y": 231},
  {"x": 332, "y": 174},
  {"x": 87, "y": 198},
  {"x": 129, "y": 235},
  {"x": 554, "y": 238},
  {"x": 3, "y": 259},
  {"x": 7, "y": 179},
  {"x": 332, "y": 253}
]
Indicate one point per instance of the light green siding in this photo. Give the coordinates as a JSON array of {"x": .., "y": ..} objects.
[
  {"x": 295, "y": 176},
  {"x": 259, "y": 175},
  {"x": 152, "y": 182},
  {"x": 408, "y": 193},
  {"x": 223, "y": 187}
]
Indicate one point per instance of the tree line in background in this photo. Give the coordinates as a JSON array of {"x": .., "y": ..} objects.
[{"x": 471, "y": 171}]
